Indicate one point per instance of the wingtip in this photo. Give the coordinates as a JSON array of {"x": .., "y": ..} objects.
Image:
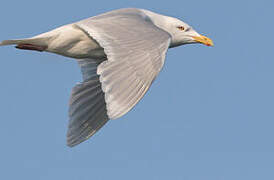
[
  {"x": 72, "y": 142},
  {"x": 71, "y": 145},
  {"x": 73, "y": 139}
]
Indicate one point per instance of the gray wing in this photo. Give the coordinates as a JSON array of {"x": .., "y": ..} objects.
[
  {"x": 87, "y": 110},
  {"x": 135, "y": 50}
]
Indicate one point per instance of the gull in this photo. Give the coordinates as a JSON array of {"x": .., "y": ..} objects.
[{"x": 120, "y": 53}]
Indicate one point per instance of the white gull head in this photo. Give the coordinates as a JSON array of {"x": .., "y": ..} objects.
[{"x": 181, "y": 33}]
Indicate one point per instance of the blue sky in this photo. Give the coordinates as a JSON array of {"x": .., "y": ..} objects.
[{"x": 209, "y": 115}]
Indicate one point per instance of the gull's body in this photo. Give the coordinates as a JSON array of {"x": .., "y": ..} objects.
[{"x": 120, "y": 54}]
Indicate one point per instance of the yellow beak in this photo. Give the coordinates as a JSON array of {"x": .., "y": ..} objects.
[{"x": 204, "y": 40}]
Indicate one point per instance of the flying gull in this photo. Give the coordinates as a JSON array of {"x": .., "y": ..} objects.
[{"x": 120, "y": 53}]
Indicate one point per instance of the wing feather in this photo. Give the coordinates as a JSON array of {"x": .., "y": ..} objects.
[
  {"x": 135, "y": 52},
  {"x": 87, "y": 109}
]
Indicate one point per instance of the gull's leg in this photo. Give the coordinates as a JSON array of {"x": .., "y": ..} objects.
[{"x": 31, "y": 47}]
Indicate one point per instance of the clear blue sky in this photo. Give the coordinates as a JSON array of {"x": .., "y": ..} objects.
[{"x": 209, "y": 115}]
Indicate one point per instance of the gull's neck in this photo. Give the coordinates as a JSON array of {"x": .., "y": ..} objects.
[{"x": 157, "y": 19}]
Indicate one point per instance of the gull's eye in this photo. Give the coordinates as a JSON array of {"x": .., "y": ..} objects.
[{"x": 182, "y": 28}]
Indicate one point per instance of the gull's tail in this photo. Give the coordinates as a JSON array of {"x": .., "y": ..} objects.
[
  {"x": 21, "y": 41},
  {"x": 10, "y": 42},
  {"x": 35, "y": 43}
]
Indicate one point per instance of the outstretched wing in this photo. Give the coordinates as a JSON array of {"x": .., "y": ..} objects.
[
  {"x": 135, "y": 50},
  {"x": 87, "y": 107}
]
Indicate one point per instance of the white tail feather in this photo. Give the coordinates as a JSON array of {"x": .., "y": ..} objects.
[
  {"x": 36, "y": 41},
  {"x": 10, "y": 42}
]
